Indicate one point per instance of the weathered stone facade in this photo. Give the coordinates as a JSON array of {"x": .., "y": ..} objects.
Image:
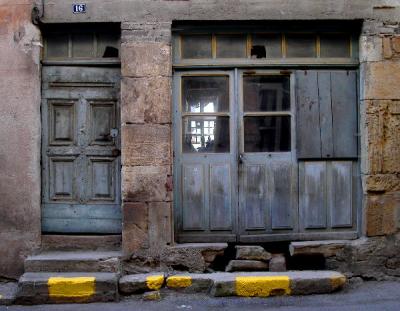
[{"x": 146, "y": 114}]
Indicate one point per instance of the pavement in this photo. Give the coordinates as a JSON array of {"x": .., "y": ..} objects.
[{"x": 363, "y": 296}]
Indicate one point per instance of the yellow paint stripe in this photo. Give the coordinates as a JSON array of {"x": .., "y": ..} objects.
[
  {"x": 155, "y": 282},
  {"x": 262, "y": 286},
  {"x": 74, "y": 287},
  {"x": 337, "y": 281},
  {"x": 178, "y": 281}
]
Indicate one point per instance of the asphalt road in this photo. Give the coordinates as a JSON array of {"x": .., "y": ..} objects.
[{"x": 374, "y": 296}]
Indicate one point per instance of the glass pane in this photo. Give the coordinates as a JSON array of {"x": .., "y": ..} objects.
[
  {"x": 231, "y": 46},
  {"x": 266, "y": 93},
  {"x": 205, "y": 134},
  {"x": 267, "y": 134},
  {"x": 266, "y": 46},
  {"x": 196, "y": 46},
  {"x": 82, "y": 45},
  {"x": 108, "y": 45},
  {"x": 57, "y": 46},
  {"x": 335, "y": 45},
  {"x": 299, "y": 45},
  {"x": 205, "y": 94}
]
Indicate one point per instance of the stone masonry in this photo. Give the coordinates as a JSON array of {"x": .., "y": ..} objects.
[{"x": 147, "y": 127}]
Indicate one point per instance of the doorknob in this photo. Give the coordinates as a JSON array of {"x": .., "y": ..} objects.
[{"x": 240, "y": 158}]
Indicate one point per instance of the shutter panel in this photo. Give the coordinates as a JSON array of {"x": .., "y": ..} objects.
[
  {"x": 326, "y": 114},
  {"x": 344, "y": 113},
  {"x": 308, "y": 126}
]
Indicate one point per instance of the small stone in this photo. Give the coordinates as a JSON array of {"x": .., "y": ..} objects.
[
  {"x": 252, "y": 253},
  {"x": 277, "y": 263},
  {"x": 246, "y": 265},
  {"x": 153, "y": 295}
]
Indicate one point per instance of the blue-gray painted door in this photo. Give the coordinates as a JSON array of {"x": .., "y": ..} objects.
[
  {"x": 261, "y": 155},
  {"x": 80, "y": 150}
]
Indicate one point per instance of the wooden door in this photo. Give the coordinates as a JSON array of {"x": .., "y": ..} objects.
[
  {"x": 267, "y": 164},
  {"x": 80, "y": 150},
  {"x": 205, "y": 156}
]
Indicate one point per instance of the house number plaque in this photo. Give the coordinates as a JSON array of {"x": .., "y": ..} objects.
[{"x": 79, "y": 8}]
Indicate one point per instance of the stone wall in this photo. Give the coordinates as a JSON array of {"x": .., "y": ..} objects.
[
  {"x": 19, "y": 136},
  {"x": 380, "y": 115},
  {"x": 146, "y": 136}
]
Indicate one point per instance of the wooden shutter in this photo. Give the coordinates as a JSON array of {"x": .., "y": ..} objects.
[{"x": 327, "y": 120}]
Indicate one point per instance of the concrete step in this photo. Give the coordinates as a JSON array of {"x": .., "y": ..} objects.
[
  {"x": 40, "y": 288},
  {"x": 245, "y": 284},
  {"x": 74, "y": 261}
]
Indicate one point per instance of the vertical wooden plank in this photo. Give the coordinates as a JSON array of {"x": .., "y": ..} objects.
[
  {"x": 325, "y": 113},
  {"x": 313, "y": 211},
  {"x": 344, "y": 113},
  {"x": 193, "y": 196},
  {"x": 254, "y": 196},
  {"x": 342, "y": 194},
  {"x": 307, "y": 119},
  {"x": 281, "y": 193},
  {"x": 220, "y": 197}
]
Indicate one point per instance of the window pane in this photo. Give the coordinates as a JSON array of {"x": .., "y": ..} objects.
[
  {"x": 196, "y": 46},
  {"x": 266, "y": 93},
  {"x": 108, "y": 45},
  {"x": 231, "y": 46},
  {"x": 301, "y": 45},
  {"x": 266, "y": 46},
  {"x": 335, "y": 45},
  {"x": 82, "y": 45},
  {"x": 205, "y": 134},
  {"x": 205, "y": 94},
  {"x": 57, "y": 46},
  {"x": 266, "y": 134}
]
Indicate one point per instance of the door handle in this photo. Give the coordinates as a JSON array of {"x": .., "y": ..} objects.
[{"x": 240, "y": 158}]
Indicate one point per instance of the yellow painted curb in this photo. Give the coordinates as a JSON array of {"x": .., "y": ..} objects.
[
  {"x": 337, "y": 281},
  {"x": 155, "y": 282},
  {"x": 75, "y": 287},
  {"x": 262, "y": 286},
  {"x": 177, "y": 281}
]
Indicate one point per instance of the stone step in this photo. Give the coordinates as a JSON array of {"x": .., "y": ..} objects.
[
  {"x": 81, "y": 242},
  {"x": 41, "y": 287},
  {"x": 74, "y": 261}
]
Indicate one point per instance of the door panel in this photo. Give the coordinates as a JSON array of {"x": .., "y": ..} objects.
[{"x": 80, "y": 155}]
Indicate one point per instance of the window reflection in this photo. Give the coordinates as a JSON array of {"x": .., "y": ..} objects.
[{"x": 206, "y": 134}]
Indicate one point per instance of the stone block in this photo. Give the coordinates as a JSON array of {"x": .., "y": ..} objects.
[
  {"x": 146, "y": 145},
  {"x": 382, "y": 80},
  {"x": 246, "y": 252},
  {"x": 191, "y": 283},
  {"x": 277, "y": 263},
  {"x": 141, "y": 59},
  {"x": 382, "y": 122},
  {"x": 324, "y": 248},
  {"x": 246, "y": 265},
  {"x": 135, "y": 233},
  {"x": 396, "y": 44},
  {"x": 160, "y": 226},
  {"x": 146, "y": 32},
  {"x": 382, "y": 183},
  {"x": 381, "y": 215},
  {"x": 139, "y": 283},
  {"x": 387, "y": 48},
  {"x": 200, "y": 255},
  {"x": 146, "y": 183},
  {"x": 146, "y": 100}
]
